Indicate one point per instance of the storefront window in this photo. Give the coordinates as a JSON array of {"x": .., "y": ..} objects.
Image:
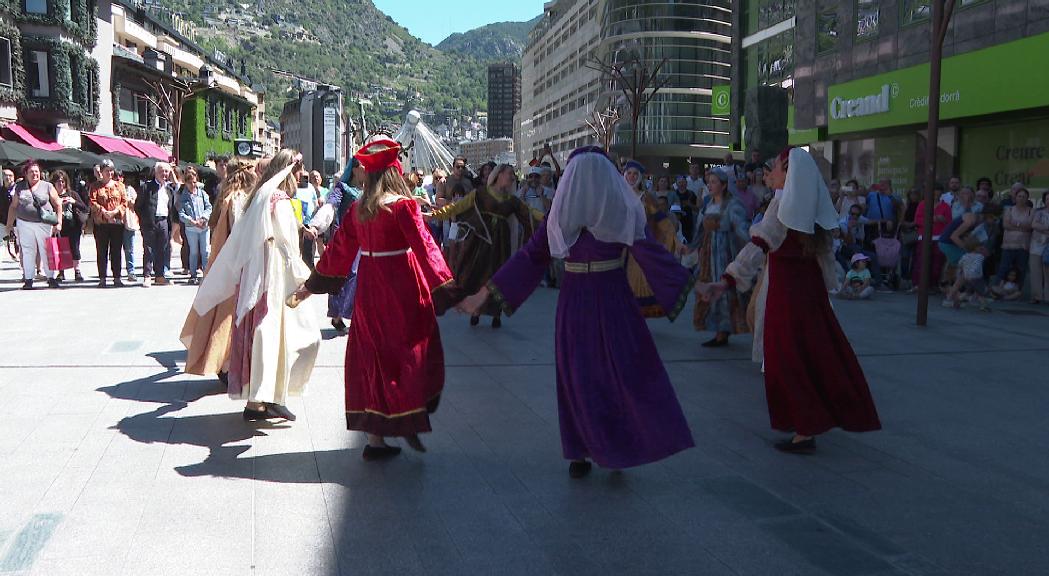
[
  {"x": 866, "y": 19},
  {"x": 776, "y": 58},
  {"x": 915, "y": 11},
  {"x": 827, "y": 30}
]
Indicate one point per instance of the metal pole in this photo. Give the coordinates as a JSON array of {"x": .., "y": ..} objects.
[{"x": 940, "y": 20}]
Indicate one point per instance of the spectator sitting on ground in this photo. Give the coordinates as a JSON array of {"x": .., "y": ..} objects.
[
  {"x": 1009, "y": 290},
  {"x": 971, "y": 277},
  {"x": 857, "y": 285}
]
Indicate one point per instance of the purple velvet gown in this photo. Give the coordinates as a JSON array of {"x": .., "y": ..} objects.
[{"x": 615, "y": 401}]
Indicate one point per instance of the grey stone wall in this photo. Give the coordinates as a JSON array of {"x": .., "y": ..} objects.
[{"x": 972, "y": 28}]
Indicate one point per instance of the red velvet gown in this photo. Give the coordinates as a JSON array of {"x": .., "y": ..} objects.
[
  {"x": 813, "y": 381},
  {"x": 394, "y": 359}
]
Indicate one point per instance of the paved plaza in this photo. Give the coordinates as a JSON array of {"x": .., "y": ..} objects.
[{"x": 114, "y": 462}]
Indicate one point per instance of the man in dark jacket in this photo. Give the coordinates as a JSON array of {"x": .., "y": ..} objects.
[{"x": 156, "y": 211}]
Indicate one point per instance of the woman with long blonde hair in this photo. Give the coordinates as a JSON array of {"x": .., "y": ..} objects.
[
  {"x": 207, "y": 338},
  {"x": 394, "y": 359},
  {"x": 273, "y": 346}
]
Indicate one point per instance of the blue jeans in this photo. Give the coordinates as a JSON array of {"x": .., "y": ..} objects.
[
  {"x": 197, "y": 239},
  {"x": 1012, "y": 259},
  {"x": 129, "y": 251}
]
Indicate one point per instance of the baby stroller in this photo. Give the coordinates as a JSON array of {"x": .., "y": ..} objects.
[{"x": 887, "y": 248}]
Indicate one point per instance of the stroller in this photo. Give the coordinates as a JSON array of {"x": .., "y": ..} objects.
[{"x": 887, "y": 248}]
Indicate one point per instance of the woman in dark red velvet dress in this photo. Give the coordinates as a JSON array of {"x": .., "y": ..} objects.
[
  {"x": 394, "y": 358},
  {"x": 813, "y": 381}
]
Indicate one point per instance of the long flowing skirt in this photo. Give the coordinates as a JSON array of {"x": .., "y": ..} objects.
[
  {"x": 615, "y": 400},
  {"x": 813, "y": 381}
]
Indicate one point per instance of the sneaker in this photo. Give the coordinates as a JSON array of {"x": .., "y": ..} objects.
[
  {"x": 193, "y": 281},
  {"x": 147, "y": 281},
  {"x": 132, "y": 278}
]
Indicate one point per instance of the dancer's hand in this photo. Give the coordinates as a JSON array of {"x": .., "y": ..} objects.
[
  {"x": 298, "y": 296},
  {"x": 711, "y": 291},
  {"x": 472, "y": 304}
]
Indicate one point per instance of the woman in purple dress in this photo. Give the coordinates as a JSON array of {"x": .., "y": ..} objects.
[{"x": 615, "y": 401}]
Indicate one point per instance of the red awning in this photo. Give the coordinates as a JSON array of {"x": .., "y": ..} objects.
[
  {"x": 33, "y": 137},
  {"x": 150, "y": 149},
  {"x": 113, "y": 144}
]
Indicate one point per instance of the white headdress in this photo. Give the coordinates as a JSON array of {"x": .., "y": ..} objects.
[
  {"x": 805, "y": 202},
  {"x": 593, "y": 195}
]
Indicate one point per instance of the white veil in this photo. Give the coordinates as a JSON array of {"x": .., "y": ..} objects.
[
  {"x": 593, "y": 195},
  {"x": 805, "y": 201},
  {"x": 242, "y": 260}
]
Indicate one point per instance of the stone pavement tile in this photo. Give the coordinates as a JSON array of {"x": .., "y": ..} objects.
[
  {"x": 826, "y": 548},
  {"x": 90, "y": 563},
  {"x": 293, "y": 529},
  {"x": 749, "y": 550}
]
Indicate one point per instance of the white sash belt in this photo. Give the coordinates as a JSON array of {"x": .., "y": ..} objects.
[{"x": 384, "y": 254}]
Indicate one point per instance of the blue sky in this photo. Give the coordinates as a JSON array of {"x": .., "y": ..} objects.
[{"x": 435, "y": 20}]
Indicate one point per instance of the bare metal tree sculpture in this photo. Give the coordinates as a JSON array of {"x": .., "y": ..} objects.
[
  {"x": 603, "y": 123},
  {"x": 636, "y": 79},
  {"x": 170, "y": 95}
]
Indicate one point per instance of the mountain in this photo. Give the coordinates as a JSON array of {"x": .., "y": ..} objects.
[
  {"x": 494, "y": 42},
  {"x": 348, "y": 43}
]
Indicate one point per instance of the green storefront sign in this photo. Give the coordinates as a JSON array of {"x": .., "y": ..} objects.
[
  {"x": 1007, "y": 153},
  {"x": 996, "y": 79},
  {"x": 721, "y": 101}
]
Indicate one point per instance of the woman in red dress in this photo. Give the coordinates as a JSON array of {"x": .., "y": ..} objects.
[
  {"x": 394, "y": 360},
  {"x": 813, "y": 381}
]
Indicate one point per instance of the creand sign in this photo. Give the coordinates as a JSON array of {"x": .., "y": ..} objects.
[
  {"x": 841, "y": 108},
  {"x": 901, "y": 97}
]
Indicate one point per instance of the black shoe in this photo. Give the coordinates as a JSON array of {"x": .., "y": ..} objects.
[
  {"x": 497, "y": 322},
  {"x": 802, "y": 447},
  {"x": 281, "y": 411},
  {"x": 224, "y": 378},
  {"x": 271, "y": 412},
  {"x": 338, "y": 325},
  {"x": 475, "y": 320},
  {"x": 27, "y": 285},
  {"x": 579, "y": 468},
  {"x": 102, "y": 283},
  {"x": 374, "y": 453},
  {"x": 715, "y": 342},
  {"x": 193, "y": 281},
  {"x": 414, "y": 442},
  {"x": 118, "y": 283},
  {"x": 78, "y": 277},
  {"x": 61, "y": 275},
  {"x": 52, "y": 283}
]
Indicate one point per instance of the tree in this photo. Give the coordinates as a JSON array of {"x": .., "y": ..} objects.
[
  {"x": 637, "y": 81},
  {"x": 603, "y": 123},
  {"x": 169, "y": 96}
]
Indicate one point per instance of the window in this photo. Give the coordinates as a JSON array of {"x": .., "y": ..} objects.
[
  {"x": 162, "y": 122},
  {"x": 866, "y": 19},
  {"x": 134, "y": 108},
  {"x": 38, "y": 75},
  {"x": 915, "y": 11},
  {"x": 5, "y": 62},
  {"x": 213, "y": 112},
  {"x": 827, "y": 31},
  {"x": 228, "y": 120},
  {"x": 36, "y": 6}
]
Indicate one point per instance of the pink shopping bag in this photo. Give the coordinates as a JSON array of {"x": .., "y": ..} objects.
[{"x": 59, "y": 256}]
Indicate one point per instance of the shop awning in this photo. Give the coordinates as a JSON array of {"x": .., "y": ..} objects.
[
  {"x": 32, "y": 137},
  {"x": 113, "y": 144},
  {"x": 150, "y": 149}
]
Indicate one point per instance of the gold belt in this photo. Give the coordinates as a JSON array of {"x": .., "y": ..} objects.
[
  {"x": 595, "y": 266},
  {"x": 384, "y": 254}
]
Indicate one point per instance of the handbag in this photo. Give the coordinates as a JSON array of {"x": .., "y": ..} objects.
[
  {"x": 59, "y": 255},
  {"x": 47, "y": 216}
]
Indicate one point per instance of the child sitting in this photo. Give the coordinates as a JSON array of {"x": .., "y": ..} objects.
[
  {"x": 1010, "y": 289},
  {"x": 970, "y": 278},
  {"x": 857, "y": 285}
]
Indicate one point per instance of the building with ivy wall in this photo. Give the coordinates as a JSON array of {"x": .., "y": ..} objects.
[
  {"x": 857, "y": 73},
  {"x": 49, "y": 81}
]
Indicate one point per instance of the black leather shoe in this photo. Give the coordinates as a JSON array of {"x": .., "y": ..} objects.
[
  {"x": 497, "y": 322},
  {"x": 118, "y": 283},
  {"x": 715, "y": 343},
  {"x": 792, "y": 447},
  {"x": 579, "y": 468},
  {"x": 414, "y": 442},
  {"x": 374, "y": 453},
  {"x": 281, "y": 412},
  {"x": 475, "y": 320},
  {"x": 102, "y": 284},
  {"x": 338, "y": 325},
  {"x": 52, "y": 283},
  {"x": 27, "y": 285}
]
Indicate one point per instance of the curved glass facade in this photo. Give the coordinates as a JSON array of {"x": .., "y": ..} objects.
[{"x": 694, "y": 37}]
